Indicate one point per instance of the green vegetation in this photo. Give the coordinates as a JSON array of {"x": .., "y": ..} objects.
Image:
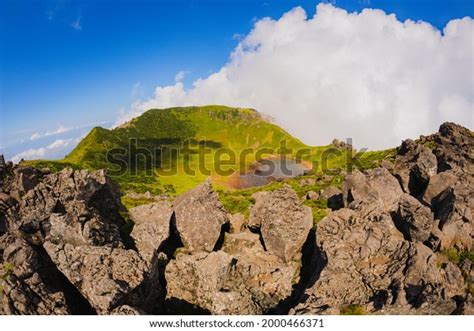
[
  {"x": 457, "y": 256},
  {"x": 132, "y": 203},
  {"x": 470, "y": 289},
  {"x": 430, "y": 144},
  {"x": 141, "y": 155},
  {"x": 240, "y": 201},
  {"x": 373, "y": 159},
  {"x": 6, "y": 270},
  {"x": 353, "y": 310}
]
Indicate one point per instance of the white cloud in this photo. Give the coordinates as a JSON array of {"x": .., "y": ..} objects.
[
  {"x": 178, "y": 78},
  {"x": 42, "y": 152},
  {"x": 61, "y": 129},
  {"x": 32, "y": 153},
  {"x": 59, "y": 143},
  {"x": 362, "y": 75},
  {"x": 35, "y": 136},
  {"x": 76, "y": 24}
]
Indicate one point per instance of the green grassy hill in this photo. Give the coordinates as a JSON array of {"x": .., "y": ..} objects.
[{"x": 141, "y": 155}]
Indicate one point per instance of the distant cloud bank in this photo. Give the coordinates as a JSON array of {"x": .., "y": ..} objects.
[
  {"x": 42, "y": 152},
  {"x": 362, "y": 75}
]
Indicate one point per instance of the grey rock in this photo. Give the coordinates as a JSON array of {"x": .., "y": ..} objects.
[
  {"x": 454, "y": 146},
  {"x": 152, "y": 227},
  {"x": 26, "y": 178},
  {"x": 241, "y": 279},
  {"x": 414, "y": 165},
  {"x": 200, "y": 217},
  {"x": 126, "y": 310},
  {"x": 454, "y": 208},
  {"x": 197, "y": 278},
  {"x": 413, "y": 219},
  {"x": 370, "y": 264},
  {"x": 237, "y": 223},
  {"x": 375, "y": 191},
  {"x": 284, "y": 222},
  {"x": 439, "y": 183},
  {"x": 28, "y": 283},
  {"x": 104, "y": 275},
  {"x": 84, "y": 207},
  {"x": 264, "y": 275}
]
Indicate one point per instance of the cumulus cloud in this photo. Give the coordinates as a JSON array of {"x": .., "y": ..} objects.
[
  {"x": 42, "y": 152},
  {"x": 363, "y": 75},
  {"x": 180, "y": 76}
]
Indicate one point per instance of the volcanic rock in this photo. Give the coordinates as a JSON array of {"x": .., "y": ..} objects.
[{"x": 200, "y": 218}]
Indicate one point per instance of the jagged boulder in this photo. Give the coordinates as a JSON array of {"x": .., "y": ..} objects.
[
  {"x": 370, "y": 264},
  {"x": 414, "y": 165},
  {"x": 152, "y": 227},
  {"x": 78, "y": 206},
  {"x": 6, "y": 204},
  {"x": 439, "y": 183},
  {"x": 454, "y": 208},
  {"x": 23, "y": 180},
  {"x": 104, "y": 275},
  {"x": 264, "y": 275},
  {"x": 237, "y": 223},
  {"x": 197, "y": 279},
  {"x": 242, "y": 278},
  {"x": 375, "y": 191},
  {"x": 454, "y": 146},
  {"x": 283, "y": 221},
  {"x": 413, "y": 219},
  {"x": 200, "y": 218},
  {"x": 28, "y": 283}
]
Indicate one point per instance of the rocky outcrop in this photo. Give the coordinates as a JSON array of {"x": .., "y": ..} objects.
[
  {"x": 151, "y": 227},
  {"x": 104, "y": 275},
  {"x": 64, "y": 228},
  {"x": 384, "y": 252},
  {"x": 242, "y": 278},
  {"x": 414, "y": 165},
  {"x": 375, "y": 191},
  {"x": 370, "y": 264},
  {"x": 30, "y": 286},
  {"x": 253, "y": 272},
  {"x": 413, "y": 219},
  {"x": 453, "y": 147},
  {"x": 200, "y": 218},
  {"x": 70, "y": 206},
  {"x": 454, "y": 208},
  {"x": 283, "y": 222}
]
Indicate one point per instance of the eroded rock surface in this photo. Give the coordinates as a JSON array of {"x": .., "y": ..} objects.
[
  {"x": 104, "y": 275},
  {"x": 200, "y": 217},
  {"x": 152, "y": 227},
  {"x": 283, "y": 222}
]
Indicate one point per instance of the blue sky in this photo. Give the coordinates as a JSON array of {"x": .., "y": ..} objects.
[{"x": 67, "y": 65}]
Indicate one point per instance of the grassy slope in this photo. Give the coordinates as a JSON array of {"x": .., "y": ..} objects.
[{"x": 218, "y": 126}]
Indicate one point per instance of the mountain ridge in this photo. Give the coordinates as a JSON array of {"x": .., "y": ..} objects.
[{"x": 216, "y": 128}]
